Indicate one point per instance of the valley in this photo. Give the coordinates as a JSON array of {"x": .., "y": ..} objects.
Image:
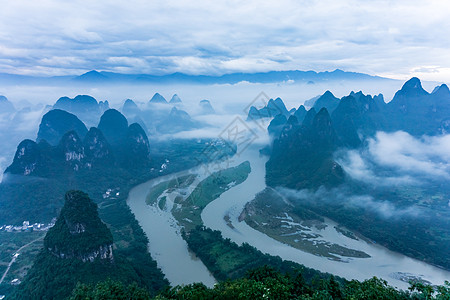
[
  {"x": 357, "y": 258},
  {"x": 309, "y": 194}
]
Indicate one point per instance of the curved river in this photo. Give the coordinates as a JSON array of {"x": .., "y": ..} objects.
[
  {"x": 171, "y": 253},
  {"x": 166, "y": 245}
]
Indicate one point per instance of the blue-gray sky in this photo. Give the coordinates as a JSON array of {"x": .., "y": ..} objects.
[{"x": 397, "y": 39}]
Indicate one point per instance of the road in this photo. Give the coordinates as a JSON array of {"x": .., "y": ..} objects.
[{"x": 15, "y": 257}]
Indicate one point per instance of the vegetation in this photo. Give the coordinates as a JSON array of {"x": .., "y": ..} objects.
[
  {"x": 10, "y": 243},
  {"x": 78, "y": 229},
  {"x": 268, "y": 283},
  {"x": 77, "y": 249},
  {"x": 109, "y": 289},
  {"x": 303, "y": 157},
  {"x": 40, "y": 199},
  {"x": 189, "y": 210},
  {"x": 227, "y": 260}
]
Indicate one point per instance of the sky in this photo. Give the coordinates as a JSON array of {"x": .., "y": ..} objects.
[{"x": 397, "y": 39}]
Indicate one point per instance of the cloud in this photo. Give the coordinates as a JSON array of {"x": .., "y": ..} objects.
[
  {"x": 398, "y": 158},
  {"x": 361, "y": 169},
  {"x": 378, "y": 37},
  {"x": 345, "y": 197}
]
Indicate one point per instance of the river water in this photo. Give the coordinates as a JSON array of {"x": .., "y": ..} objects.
[
  {"x": 382, "y": 263},
  {"x": 166, "y": 245},
  {"x": 171, "y": 253}
]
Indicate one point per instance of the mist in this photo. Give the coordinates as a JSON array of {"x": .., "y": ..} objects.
[
  {"x": 344, "y": 196},
  {"x": 397, "y": 158},
  {"x": 389, "y": 165}
]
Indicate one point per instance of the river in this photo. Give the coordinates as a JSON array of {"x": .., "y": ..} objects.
[
  {"x": 171, "y": 253},
  {"x": 166, "y": 245}
]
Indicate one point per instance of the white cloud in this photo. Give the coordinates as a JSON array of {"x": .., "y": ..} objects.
[
  {"x": 383, "y": 208},
  {"x": 398, "y": 158},
  {"x": 378, "y": 37}
]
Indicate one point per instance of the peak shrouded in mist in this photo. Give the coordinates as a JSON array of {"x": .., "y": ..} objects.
[
  {"x": 6, "y": 106},
  {"x": 206, "y": 107},
  {"x": 327, "y": 100},
  {"x": 175, "y": 99},
  {"x": 157, "y": 98},
  {"x": 92, "y": 76},
  {"x": 130, "y": 108}
]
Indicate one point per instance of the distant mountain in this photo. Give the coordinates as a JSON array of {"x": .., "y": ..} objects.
[
  {"x": 157, "y": 98},
  {"x": 130, "y": 108},
  {"x": 103, "y": 105},
  {"x": 309, "y": 118},
  {"x": 301, "y": 155},
  {"x": 327, "y": 100},
  {"x": 79, "y": 104},
  {"x": 416, "y": 111},
  {"x": 175, "y": 99},
  {"x": 310, "y": 103},
  {"x": 83, "y": 106},
  {"x": 56, "y": 123},
  {"x": 95, "y": 78},
  {"x": 262, "y": 77},
  {"x": 206, "y": 107},
  {"x": 92, "y": 76},
  {"x": 110, "y": 145},
  {"x": 6, "y": 106},
  {"x": 177, "y": 120},
  {"x": 272, "y": 109},
  {"x": 359, "y": 113},
  {"x": 27, "y": 159}
]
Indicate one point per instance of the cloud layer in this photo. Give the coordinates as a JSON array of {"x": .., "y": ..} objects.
[
  {"x": 399, "y": 158},
  {"x": 343, "y": 196},
  {"x": 392, "y": 38}
]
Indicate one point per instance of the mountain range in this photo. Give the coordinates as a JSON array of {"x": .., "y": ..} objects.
[
  {"x": 102, "y": 77},
  {"x": 304, "y": 141},
  {"x": 65, "y": 145},
  {"x": 306, "y": 157}
]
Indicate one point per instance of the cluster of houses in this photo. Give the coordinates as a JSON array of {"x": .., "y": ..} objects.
[
  {"x": 111, "y": 193},
  {"x": 27, "y": 227}
]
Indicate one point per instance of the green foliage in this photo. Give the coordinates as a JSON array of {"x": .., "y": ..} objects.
[
  {"x": 426, "y": 291},
  {"x": 78, "y": 213},
  {"x": 40, "y": 199},
  {"x": 109, "y": 289},
  {"x": 227, "y": 260},
  {"x": 267, "y": 283},
  {"x": 188, "y": 212},
  {"x": 213, "y": 186}
]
